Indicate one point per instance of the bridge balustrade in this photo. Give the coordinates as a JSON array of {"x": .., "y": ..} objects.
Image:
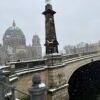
[
  {"x": 35, "y": 92},
  {"x": 69, "y": 56},
  {"x": 27, "y": 64}
]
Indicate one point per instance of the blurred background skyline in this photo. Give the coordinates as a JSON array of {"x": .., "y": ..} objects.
[{"x": 76, "y": 21}]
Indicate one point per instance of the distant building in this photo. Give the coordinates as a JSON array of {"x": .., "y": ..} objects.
[
  {"x": 13, "y": 37},
  {"x": 30, "y": 52},
  {"x": 36, "y": 47},
  {"x": 3, "y": 55},
  {"x": 86, "y": 48},
  {"x": 21, "y": 52},
  {"x": 14, "y": 46}
]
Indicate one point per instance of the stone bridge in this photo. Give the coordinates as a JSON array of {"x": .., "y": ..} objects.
[
  {"x": 57, "y": 76},
  {"x": 67, "y": 77}
]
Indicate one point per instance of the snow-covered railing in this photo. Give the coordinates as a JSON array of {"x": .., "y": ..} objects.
[{"x": 55, "y": 89}]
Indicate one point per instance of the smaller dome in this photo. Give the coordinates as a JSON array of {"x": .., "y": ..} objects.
[
  {"x": 36, "y": 40},
  {"x": 36, "y": 36}
]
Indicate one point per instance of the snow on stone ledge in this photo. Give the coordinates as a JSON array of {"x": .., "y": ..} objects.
[
  {"x": 27, "y": 61},
  {"x": 53, "y": 54},
  {"x": 54, "y": 89},
  {"x": 9, "y": 94},
  {"x": 29, "y": 71},
  {"x": 17, "y": 99},
  {"x": 1, "y": 67},
  {"x": 12, "y": 79}
]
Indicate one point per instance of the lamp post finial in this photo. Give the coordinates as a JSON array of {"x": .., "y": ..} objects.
[{"x": 47, "y": 1}]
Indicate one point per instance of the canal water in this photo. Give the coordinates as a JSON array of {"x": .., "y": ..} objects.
[{"x": 85, "y": 83}]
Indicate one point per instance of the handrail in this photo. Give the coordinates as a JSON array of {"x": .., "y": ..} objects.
[{"x": 13, "y": 89}]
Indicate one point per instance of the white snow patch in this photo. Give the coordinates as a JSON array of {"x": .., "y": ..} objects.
[
  {"x": 1, "y": 67},
  {"x": 42, "y": 85},
  {"x": 12, "y": 79},
  {"x": 8, "y": 94},
  {"x": 54, "y": 89},
  {"x": 17, "y": 99}
]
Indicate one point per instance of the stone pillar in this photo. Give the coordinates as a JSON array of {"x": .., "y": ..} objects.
[
  {"x": 57, "y": 85},
  {"x": 38, "y": 89},
  {"x": 2, "y": 79},
  {"x": 51, "y": 42}
]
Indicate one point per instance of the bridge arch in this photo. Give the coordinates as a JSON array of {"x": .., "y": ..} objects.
[{"x": 84, "y": 83}]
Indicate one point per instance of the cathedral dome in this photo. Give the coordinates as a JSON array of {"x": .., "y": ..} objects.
[
  {"x": 14, "y": 36},
  {"x": 14, "y": 30}
]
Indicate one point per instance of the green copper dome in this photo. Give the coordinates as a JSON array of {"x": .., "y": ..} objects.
[
  {"x": 14, "y": 36},
  {"x": 14, "y": 30}
]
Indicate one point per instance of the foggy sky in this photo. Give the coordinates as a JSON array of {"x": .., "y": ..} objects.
[{"x": 75, "y": 20}]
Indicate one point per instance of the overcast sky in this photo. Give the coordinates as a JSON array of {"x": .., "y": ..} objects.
[{"x": 75, "y": 20}]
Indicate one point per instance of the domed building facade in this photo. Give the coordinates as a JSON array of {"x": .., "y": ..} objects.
[
  {"x": 13, "y": 37},
  {"x": 14, "y": 46}
]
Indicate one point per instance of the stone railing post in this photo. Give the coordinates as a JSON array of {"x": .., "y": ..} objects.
[
  {"x": 38, "y": 89},
  {"x": 13, "y": 92},
  {"x": 2, "y": 80}
]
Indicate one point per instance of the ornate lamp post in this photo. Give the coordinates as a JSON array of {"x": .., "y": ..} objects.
[{"x": 50, "y": 31}]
